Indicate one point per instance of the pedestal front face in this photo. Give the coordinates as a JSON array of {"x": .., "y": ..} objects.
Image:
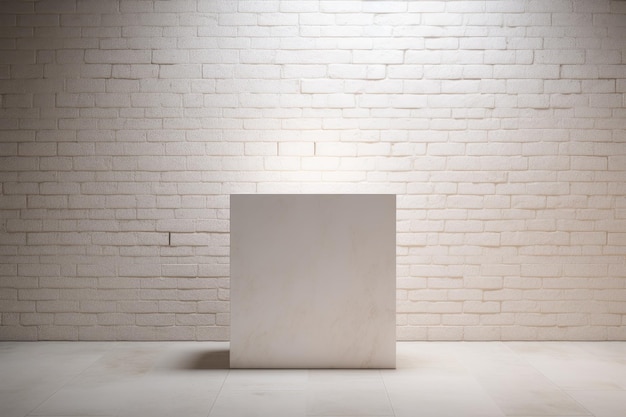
[{"x": 312, "y": 281}]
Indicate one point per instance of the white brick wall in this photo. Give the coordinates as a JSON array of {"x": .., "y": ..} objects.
[{"x": 125, "y": 124}]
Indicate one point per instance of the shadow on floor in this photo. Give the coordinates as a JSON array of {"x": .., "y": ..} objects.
[{"x": 215, "y": 359}]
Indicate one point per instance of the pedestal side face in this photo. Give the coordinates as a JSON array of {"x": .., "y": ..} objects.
[{"x": 312, "y": 281}]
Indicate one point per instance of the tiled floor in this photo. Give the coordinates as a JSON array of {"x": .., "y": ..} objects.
[{"x": 187, "y": 379}]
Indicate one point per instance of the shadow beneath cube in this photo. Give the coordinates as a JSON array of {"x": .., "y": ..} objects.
[{"x": 215, "y": 359}]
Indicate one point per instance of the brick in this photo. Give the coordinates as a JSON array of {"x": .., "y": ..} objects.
[
  {"x": 177, "y": 307},
  {"x": 445, "y": 333},
  {"x": 179, "y": 270},
  {"x": 117, "y": 57},
  {"x": 215, "y": 333},
  {"x": 296, "y": 148},
  {"x": 155, "y": 319},
  {"x": 56, "y": 306},
  {"x": 116, "y": 319}
]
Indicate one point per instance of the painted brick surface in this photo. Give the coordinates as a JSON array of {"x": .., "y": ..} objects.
[{"x": 125, "y": 125}]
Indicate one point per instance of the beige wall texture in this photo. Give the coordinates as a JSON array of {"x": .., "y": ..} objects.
[{"x": 126, "y": 125}]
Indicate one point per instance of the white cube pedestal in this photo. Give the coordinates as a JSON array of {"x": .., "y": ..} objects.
[{"x": 312, "y": 281}]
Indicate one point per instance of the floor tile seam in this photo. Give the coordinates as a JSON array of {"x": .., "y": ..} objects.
[
  {"x": 558, "y": 387},
  {"x": 393, "y": 411},
  {"x": 532, "y": 366},
  {"x": 584, "y": 345},
  {"x": 264, "y": 390},
  {"x": 481, "y": 385},
  {"x": 143, "y": 379},
  {"x": 589, "y": 355},
  {"x": 488, "y": 394},
  {"x": 593, "y": 389},
  {"x": 65, "y": 385},
  {"x": 596, "y": 356},
  {"x": 219, "y": 392}
]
